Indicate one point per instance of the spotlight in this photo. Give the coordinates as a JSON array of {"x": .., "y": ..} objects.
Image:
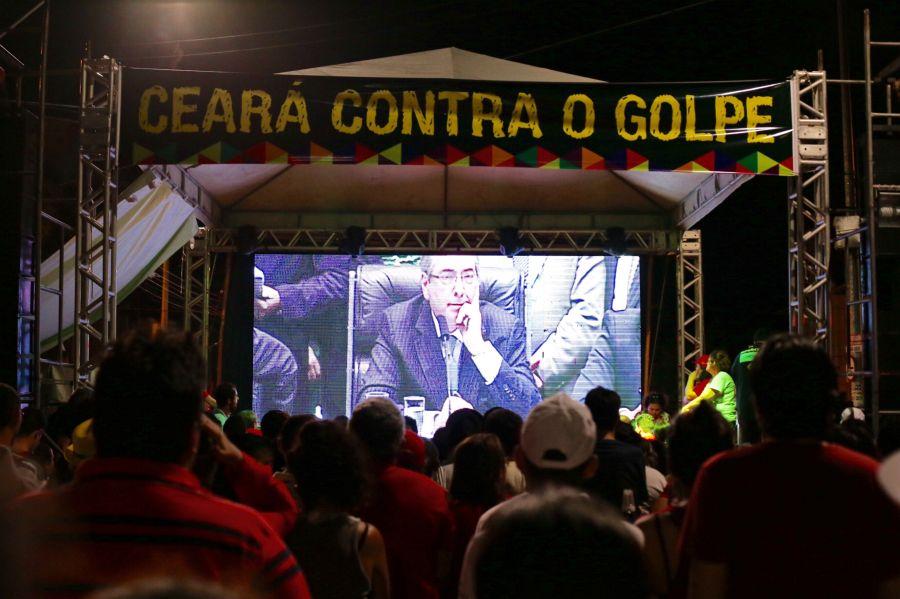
[
  {"x": 615, "y": 244},
  {"x": 354, "y": 241},
  {"x": 246, "y": 240},
  {"x": 510, "y": 242}
]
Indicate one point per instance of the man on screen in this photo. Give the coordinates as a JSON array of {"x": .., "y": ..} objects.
[
  {"x": 614, "y": 361},
  {"x": 448, "y": 343}
]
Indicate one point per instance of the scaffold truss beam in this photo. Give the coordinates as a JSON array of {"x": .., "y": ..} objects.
[
  {"x": 689, "y": 279},
  {"x": 197, "y": 277},
  {"x": 809, "y": 230},
  {"x": 430, "y": 241},
  {"x": 95, "y": 231}
]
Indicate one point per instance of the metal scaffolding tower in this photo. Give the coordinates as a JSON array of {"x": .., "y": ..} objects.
[
  {"x": 880, "y": 200},
  {"x": 33, "y": 219},
  {"x": 95, "y": 233},
  {"x": 809, "y": 232},
  {"x": 197, "y": 264},
  {"x": 689, "y": 283}
]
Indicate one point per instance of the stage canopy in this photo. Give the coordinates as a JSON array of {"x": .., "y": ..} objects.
[{"x": 416, "y": 183}]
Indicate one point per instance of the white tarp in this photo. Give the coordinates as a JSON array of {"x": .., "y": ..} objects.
[
  {"x": 445, "y": 63},
  {"x": 154, "y": 223}
]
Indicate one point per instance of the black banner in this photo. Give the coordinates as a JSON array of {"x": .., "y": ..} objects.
[{"x": 189, "y": 117}]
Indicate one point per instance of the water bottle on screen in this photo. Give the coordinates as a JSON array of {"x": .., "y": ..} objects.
[
  {"x": 259, "y": 279},
  {"x": 629, "y": 508}
]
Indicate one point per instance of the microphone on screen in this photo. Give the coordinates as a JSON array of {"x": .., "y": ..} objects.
[{"x": 444, "y": 335}]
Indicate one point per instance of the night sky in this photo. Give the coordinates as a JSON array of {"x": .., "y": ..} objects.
[{"x": 744, "y": 240}]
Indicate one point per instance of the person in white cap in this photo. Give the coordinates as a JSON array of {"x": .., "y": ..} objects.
[{"x": 556, "y": 449}]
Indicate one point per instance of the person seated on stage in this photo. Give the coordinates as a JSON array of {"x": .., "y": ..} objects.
[
  {"x": 697, "y": 380},
  {"x": 448, "y": 343},
  {"x": 649, "y": 423},
  {"x": 720, "y": 390}
]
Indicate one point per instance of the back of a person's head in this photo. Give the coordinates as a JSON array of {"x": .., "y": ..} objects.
[
  {"x": 224, "y": 394},
  {"x": 721, "y": 359},
  {"x": 32, "y": 421},
  {"x": 148, "y": 396},
  {"x": 557, "y": 443},
  {"x": 795, "y": 388},
  {"x": 271, "y": 423},
  {"x": 889, "y": 435},
  {"x": 856, "y": 435},
  {"x": 559, "y": 544},
  {"x": 694, "y": 437},
  {"x": 10, "y": 412},
  {"x": 290, "y": 432},
  {"x": 329, "y": 467},
  {"x": 625, "y": 433},
  {"x": 249, "y": 418},
  {"x": 604, "y": 405},
  {"x": 462, "y": 424},
  {"x": 259, "y": 448},
  {"x": 479, "y": 469},
  {"x": 235, "y": 427},
  {"x": 507, "y": 425},
  {"x": 378, "y": 424}
]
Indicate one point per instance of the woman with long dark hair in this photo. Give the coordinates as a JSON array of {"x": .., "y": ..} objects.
[
  {"x": 479, "y": 475},
  {"x": 341, "y": 556}
]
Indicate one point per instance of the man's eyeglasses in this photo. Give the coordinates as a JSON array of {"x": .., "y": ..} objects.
[{"x": 449, "y": 278}]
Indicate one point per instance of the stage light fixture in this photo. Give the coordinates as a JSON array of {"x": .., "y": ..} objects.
[
  {"x": 354, "y": 241},
  {"x": 245, "y": 240},
  {"x": 510, "y": 242},
  {"x": 616, "y": 243}
]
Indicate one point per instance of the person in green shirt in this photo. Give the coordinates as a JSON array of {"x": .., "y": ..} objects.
[
  {"x": 654, "y": 419},
  {"x": 720, "y": 390},
  {"x": 226, "y": 397}
]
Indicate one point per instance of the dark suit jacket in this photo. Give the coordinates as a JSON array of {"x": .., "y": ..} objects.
[
  {"x": 615, "y": 359},
  {"x": 407, "y": 360}
]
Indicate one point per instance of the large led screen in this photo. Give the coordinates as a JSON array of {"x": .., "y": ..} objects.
[{"x": 436, "y": 333}]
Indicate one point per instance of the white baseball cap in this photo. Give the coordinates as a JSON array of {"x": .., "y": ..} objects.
[
  {"x": 558, "y": 434},
  {"x": 889, "y": 476}
]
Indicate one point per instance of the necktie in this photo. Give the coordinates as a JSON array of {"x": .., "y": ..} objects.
[
  {"x": 521, "y": 264},
  {"x": 452, "y": 365}
]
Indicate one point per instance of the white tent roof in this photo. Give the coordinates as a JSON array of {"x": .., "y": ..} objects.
[
  {"x": 445, "y": 63},
  {"x": 326, "y": 196}
]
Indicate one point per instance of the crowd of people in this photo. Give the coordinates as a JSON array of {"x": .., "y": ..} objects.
[{"x": 149, "y": 487}]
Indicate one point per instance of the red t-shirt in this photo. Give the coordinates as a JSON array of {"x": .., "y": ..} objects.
[
  {"x": 465, "y": 516},
  {"x": 125, "y": 519},
  {"x": 412, "y": 514},
  {"x": 793, "y": 519}
]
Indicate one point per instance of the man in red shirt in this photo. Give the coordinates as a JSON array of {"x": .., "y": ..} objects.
[
  {"x": 792, "y": 516},
  {"x": 408, "y": 508},
  {"x": 136, "y": 511}
]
